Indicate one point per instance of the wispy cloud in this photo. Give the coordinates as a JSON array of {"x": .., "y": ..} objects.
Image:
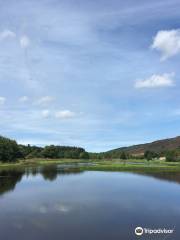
[
  {"x": 156, "y": 81},
  {"x": 65, "y": 114},
  {"x": 24, "y": 41},
  {"x": 167, "y": 42},
  {"x": 45, "y": 113},
  {"x": 7, "y": 34},
  {"x": 23, "y": 99},
  {"x": 45, "y": 100},
  {"x": 2, "y": 100}
]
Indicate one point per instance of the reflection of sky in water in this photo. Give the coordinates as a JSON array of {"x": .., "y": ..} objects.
[
  {"x": 109, "y": 204},
  {"x": 57, "y": 207}
]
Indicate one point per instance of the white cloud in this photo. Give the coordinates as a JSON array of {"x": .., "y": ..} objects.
[
  {"x": 156, "y": 81},
  {"x": 167, "y": 42},
  {"x": 24, "y": 41},
  {"x": 62, "y": 208},
  {"x": 45, "y": 113},
  {"x": 7, "y": 34},
  {"x": 65, "y": 114},
  {"x": 43, "y": 209},
  {"x": 23, "y": 99},
  {"x": 2, "y": 100},
  {"x": 45, "y": 100}
]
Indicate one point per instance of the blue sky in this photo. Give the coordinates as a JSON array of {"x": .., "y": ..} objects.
[{"x": 97, "y": 74}]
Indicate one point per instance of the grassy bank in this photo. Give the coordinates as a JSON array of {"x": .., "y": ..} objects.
[
  {"x": 37, "y": 162},
  {"x": 101, "y": 165},
  {"x": 146, "y": 168}
]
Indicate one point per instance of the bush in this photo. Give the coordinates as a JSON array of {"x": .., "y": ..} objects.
[
  {"x": 9, "y": 150},
  {"x": 84, "y": 155},
  {"x": 123, "y": 156},
  {"x": 149, "y": 155},
  {"x": 171, "y": 156}
]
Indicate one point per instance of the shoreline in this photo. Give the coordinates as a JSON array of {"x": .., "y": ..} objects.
[{"x": 130, "y": 165}]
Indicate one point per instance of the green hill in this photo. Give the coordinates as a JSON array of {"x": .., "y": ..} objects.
[{"x": 159, "y": 146}]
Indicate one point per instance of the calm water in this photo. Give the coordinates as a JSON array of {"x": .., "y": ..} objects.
[{"x": 53, "y": 204}]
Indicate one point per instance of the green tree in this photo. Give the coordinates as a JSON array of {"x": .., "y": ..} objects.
[
  {"x": 149, "y": 155},
  {"x": 123, "y": 155},
  {"x": 84, "y": 155},
  {"x": 171, "y": 156},
  {"x": 9, "y": 150}
]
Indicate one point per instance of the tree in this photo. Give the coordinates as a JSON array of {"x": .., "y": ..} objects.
[
  {"x": 50, "y": 152},
  {"x": 149, "y": 155},
  {"x": 123, "y": 155},
  {"x": 30, "y": 151},
  {"x": 171, "y": 156},
  {"x": 9, "y": 150},
  {"x": 84, "y": 155}
]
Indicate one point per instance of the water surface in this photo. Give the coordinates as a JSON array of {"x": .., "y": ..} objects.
[{"x": 49, "y": 204}]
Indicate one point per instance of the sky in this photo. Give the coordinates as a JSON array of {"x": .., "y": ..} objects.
[{"x": 97, "y": 74}]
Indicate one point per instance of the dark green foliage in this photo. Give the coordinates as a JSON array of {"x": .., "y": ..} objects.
[
  {"x": 84, "y": 155},
  {"x": 51, "y": 151},
  {"x": 172, "y": 156},
  {"x": 123, "y": 156},
  {"x": 9, "y": 150},
  {"x": 110, "y": 155},
  {"x": 95, "y": 156},
  {"x": 30, "y": 151},
  {"x": 149, "y": 155},
  {"x": 62, "y": 152}
]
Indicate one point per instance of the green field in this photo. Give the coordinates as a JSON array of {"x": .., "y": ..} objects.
[{"x": 102, "y": 165}]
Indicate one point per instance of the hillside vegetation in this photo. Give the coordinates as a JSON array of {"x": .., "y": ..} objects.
[
  {"x": 159, "y": 146},
  {"x": 169, "y": 148},
  {"x": 10, "y": 151}
]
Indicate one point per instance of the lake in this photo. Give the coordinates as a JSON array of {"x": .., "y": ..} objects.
[{"x": 52, "y": 203}]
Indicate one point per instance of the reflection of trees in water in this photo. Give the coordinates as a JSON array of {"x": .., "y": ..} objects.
[
  {"x": 172, "y": 177},
  {"x": 9, "y": 179},
  {"x": 167, "y": 176},
  {"x": 51, "y": 172}
]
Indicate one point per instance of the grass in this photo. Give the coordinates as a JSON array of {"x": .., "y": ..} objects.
[
  {"x": 102, "y": 165},
  {"x": 37, "y": 162},
  {"x": 146, "y": 168}
]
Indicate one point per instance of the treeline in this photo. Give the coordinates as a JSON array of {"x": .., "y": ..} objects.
[
  {"x": 169, "y": 155},
  {"x": 53, "y": 152},
  {"x": 110, "y": 155},
  {"x": 11, "y": 151}
]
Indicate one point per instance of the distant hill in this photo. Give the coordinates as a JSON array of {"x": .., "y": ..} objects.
[{"x": 158, "y": 146}]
